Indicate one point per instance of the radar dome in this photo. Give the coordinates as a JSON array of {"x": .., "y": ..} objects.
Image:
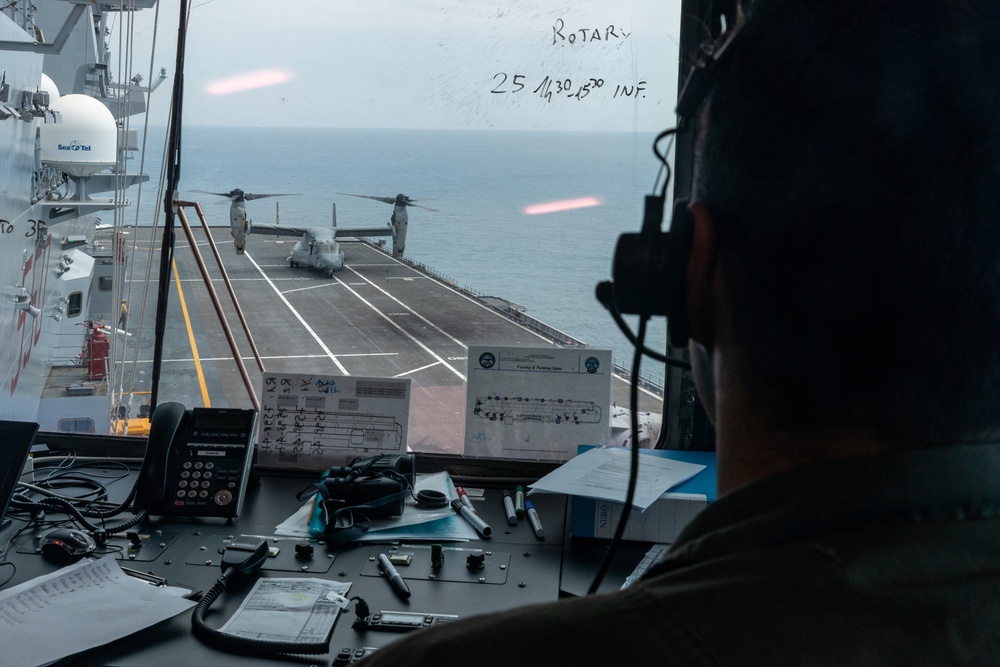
[
  {"x": 49, "y": 86},
  {"x": 84, "y": 142}
]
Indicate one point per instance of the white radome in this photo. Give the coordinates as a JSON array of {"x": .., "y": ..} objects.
[{"x": 84, "y": 141}]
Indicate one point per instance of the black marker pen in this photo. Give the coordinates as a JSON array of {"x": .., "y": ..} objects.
[{"x": 395, "y": 579}]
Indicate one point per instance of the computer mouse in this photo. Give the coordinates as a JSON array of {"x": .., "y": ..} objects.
[{"x": 66, "y": 545}]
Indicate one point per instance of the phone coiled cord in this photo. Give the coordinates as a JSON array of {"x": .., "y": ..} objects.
[{"x": 65, "y": 507}]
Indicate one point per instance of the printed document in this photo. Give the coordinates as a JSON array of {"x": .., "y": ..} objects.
[
  {"x": 289, "y": 610},
  {"x": 78, "y": 608},
  {"x": 602, "y": 473}
]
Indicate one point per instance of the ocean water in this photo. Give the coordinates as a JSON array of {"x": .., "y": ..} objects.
[{"x": 479, "y": 182}]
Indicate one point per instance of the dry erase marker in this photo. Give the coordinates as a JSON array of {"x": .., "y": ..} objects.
[
  {"x": 508, "y": 507},
  {"x": 536, "y": 523},
  {"x": 481, "y": 526},
  {"x": 464, "y": 497},
  {"x": 395, "y": 579},
  {"x": 519, "y": 501}
]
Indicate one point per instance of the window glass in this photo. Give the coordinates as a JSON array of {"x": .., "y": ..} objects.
[
  {"x": 77, "y": 425},
  {"x": 521, "y": 136},
  {"x": 75, "y": 306}
]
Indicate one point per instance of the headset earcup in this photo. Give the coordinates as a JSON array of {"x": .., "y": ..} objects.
[{"x": 650, "y": 273}]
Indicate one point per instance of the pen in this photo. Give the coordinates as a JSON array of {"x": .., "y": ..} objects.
[
  {"x": 519, "y": 501},
  {"x": 481, "y": 526},
  {"x": 464, "y": 497},
  {"x": 508, "y": 507},
  {"x": 395, "y": 579},
  {"x": 536, "y": 523}
]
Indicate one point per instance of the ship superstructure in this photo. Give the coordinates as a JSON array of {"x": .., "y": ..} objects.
[{"x": 64, "y": 140}]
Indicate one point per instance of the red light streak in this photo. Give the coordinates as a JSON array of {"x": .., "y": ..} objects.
[
  {"x": 251, "y": 81},
  {"x": 561, "y": 205}
]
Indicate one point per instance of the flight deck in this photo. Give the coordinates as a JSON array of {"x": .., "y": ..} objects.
[{"x": 378, "y": 316}]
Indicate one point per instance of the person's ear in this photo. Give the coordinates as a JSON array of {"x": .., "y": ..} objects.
[{"x": 703, "y": 285}]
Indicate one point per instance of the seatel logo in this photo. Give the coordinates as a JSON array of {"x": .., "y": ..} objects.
[
  {"x": 592, "y": 364},
  {"x": 73, "y": 146},
  {"x": 487, "y": 360}
]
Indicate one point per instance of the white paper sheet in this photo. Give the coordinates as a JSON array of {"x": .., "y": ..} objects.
[
  {"x": 78, "y": 608},
  {"x": 603, "y": 472},
  {"x": 289, "y": 610}
]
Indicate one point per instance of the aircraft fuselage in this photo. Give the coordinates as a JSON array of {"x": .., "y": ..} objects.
[
  {"x": 238, "y": 225},
  {"x": 399, "y": 221},
  {"x": 321, "y": 254}
]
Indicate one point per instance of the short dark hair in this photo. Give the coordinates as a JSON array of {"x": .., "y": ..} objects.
[{"x": 850, "y": 155}]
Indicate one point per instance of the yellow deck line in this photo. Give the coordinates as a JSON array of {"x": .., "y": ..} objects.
[{"x": 194, "y": 345}]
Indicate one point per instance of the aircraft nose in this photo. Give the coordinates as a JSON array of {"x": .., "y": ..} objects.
[{"x": 332, "y": 261}]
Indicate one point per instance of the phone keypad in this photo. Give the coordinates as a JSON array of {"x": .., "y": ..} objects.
[{"x": 206, "y": 483}]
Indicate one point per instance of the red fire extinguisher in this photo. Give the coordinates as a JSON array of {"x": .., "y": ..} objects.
[{"x": 98, "y": 348}]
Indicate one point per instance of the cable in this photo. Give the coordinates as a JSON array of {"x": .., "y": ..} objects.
[
  {"x": 606, "y": 295},
  {"x": 656, "y": 356},
  {"x": 633, "y": 477},
  {"x": 236, "y": 561},
  {"x": 662, "y": 157},
  {"x": 65, "y": 505},
  {"x": 12, "y": 573},
  {"x": 99, "y": 533}
]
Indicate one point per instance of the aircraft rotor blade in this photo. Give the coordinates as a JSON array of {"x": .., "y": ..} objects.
[
  {"x": 384, "y": 200},
  {"x": 237, "y": 194},
  {"x": 250, "y": 196},
  {"x": 426, "y": 208},
  {"x": 391, "y": 200},
  {"x": 227, "y": 195}
]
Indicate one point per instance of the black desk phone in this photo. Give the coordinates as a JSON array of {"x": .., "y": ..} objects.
[{"x": 197, "y": 461}]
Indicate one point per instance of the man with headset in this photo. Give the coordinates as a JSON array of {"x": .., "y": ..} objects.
[{"x": 843, "y": 298}]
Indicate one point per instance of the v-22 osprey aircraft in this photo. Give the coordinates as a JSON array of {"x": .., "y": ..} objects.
[{"x": 318, "y": 247}]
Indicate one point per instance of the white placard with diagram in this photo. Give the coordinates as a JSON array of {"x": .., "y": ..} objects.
[
  {"x": 317, "y": 421},
  {"x": 536, "y": 403}
]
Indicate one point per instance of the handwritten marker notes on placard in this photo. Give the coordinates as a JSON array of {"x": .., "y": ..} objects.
[
  {"x": 317, "y": 421},
  {"x": 595, "y": 61}
]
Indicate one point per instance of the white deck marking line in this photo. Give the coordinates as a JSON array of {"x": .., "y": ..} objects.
[
  {"x": 278, "y": 357},
  {"x": 457, "y": 292},
  {"x": 305, "y": 324},
  {"x": 433, "y": 326},
  {"x": 251, "y": 280},
  {"x": 401, "y": 329},
  {"x": 316, "y": 286},
  {"x": 417, "y": 370}
]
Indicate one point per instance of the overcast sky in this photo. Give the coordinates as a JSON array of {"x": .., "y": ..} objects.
[{"x": 420, "y": 63}]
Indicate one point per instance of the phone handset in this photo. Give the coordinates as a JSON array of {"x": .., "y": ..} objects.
[{"x": 168, "y": 422}]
